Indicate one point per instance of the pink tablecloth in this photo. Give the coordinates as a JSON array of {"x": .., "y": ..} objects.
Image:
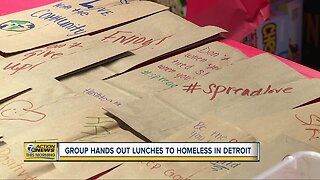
[{"x": 11, "y": 6}]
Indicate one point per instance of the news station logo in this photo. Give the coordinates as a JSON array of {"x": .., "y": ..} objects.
[
  {"x": 40, "y": 151},
  {"x": 30, "y": 148}
]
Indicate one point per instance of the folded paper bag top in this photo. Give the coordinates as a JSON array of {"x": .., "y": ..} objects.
[
  {"x": 67, "y": 19},
  {"x": 11, "y": 88}
]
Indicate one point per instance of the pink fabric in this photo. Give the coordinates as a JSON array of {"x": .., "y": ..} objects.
[
  {"x": 238, "y": 17},
  {"x": 11, "y": 6},
  {"x": 251, "y": 51}
]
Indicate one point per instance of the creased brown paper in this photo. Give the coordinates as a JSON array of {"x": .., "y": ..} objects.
[
  {"x": 166, "y": 74},
  {"x": 67, "y": 19},
  {"x": 9, "y": 88},
  {"x": 302, "y": 123},
  {"x": 208, "y": 129},
  {"x": 161, "y": 114}
]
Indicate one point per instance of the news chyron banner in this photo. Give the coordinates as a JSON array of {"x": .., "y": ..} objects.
[{"x": 134, "y": 152}]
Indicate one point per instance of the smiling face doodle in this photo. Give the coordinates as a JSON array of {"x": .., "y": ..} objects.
[
  {"x": 17, "y": 25},
  {"x": 20, "y": 110}
]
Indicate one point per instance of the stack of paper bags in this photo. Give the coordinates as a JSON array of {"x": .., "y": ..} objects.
[{"x": 109, "y": 71}]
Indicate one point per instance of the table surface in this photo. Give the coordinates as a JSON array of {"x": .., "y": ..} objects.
[{"x": 11, "y": 6}]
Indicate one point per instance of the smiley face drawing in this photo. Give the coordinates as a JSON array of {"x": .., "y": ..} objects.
[
  {"x": 20, "y": 110},
  {"x": 17, "y": 25}
]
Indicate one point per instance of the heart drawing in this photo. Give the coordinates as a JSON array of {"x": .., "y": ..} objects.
[{"x": 20, "y": 110}]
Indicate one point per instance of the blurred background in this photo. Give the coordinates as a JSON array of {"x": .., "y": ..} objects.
[{"x": 287, "y": 28}]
